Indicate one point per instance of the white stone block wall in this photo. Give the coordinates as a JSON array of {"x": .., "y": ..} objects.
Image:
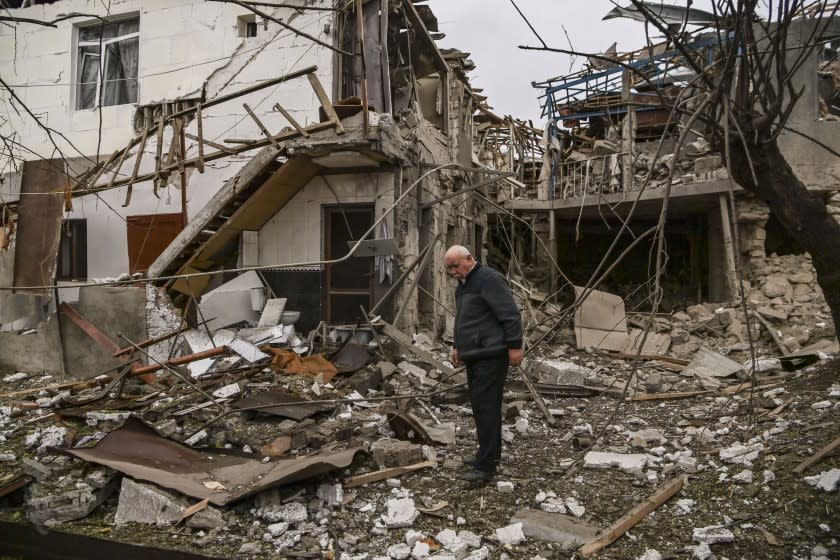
[{"x": 186, "y": 47}]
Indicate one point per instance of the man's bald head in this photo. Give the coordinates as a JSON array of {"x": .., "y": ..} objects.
[
  {"x": 459, "y": 262},
  {"x": 458, "y": 251}
]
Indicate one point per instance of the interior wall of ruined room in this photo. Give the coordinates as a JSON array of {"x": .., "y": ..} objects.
[
  {"x": 295, "y": 234},
  {"x": 187, "y": 48}
]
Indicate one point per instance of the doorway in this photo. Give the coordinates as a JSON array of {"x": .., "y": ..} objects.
[{"x": 349, "y": 284}]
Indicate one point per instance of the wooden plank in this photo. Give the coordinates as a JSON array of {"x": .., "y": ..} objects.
[
  {"x": 158, "y": 153},
  {"x": 291, "y": 120},
  {"x": 655, "y": 357},
  {"x": 631, "y": 518},
  {"x": 136, "y": 169},
  {"x": 199, "y": 129},
  {"x": 264, "y": 130},
  {"x": 202, "y": 141},
  {"x": 772, "y": 332},
  {"x": 404, "y": 341},
  {"x": 376, "y": 476},
  {"x": 325, "y": 102},
  {"x": 668, "y": 396},
  {"x": 818, "y": 456},
  {"x": 255, "y": 166}
]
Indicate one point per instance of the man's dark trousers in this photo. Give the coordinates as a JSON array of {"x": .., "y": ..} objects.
[{"x": 486, "y": 382}]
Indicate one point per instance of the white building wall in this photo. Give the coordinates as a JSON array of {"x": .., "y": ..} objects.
[
  {"x": 186, "y": 47},
  {"x": 287, "y": 237}
]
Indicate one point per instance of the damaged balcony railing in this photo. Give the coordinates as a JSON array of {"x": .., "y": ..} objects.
[{"x": 596, "y": 175}]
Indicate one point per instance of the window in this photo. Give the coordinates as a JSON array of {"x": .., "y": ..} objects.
[
  {"x": 107, "y": 64},
  {"x": 247, "y": 25},
  {"x": 72, "y": 251}
]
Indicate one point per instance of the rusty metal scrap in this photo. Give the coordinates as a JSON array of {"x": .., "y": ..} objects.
[{"x": 218, "y": 475}]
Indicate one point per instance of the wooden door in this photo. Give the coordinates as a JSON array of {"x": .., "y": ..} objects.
[{"x": 148, "y": 236}]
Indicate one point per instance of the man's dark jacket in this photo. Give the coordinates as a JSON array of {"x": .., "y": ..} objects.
[{"x": 487, "y": 321}]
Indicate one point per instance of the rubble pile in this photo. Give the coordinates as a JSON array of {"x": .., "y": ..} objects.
[{"x": 326, "y": 446}]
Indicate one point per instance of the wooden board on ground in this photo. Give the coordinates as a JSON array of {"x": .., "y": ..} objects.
[
  {"x": 813, "y": 459},
  {"x": 626, "y": 522},
  {"x": 376, "y": 476}
]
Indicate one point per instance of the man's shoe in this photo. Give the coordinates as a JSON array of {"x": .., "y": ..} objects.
[{"x": 476, "y": 475}]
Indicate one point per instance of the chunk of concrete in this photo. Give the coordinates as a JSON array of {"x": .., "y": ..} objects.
[
  {"x": 396, "y": 453},
  {"x": 144, "y": 503},
  {"x": 230, "y": 303},
  {"x": 563, "y": 372},
  {"x": 512, "y": 534},
  {"x": 46, "y": 505},
  {"x": 293, "y": 512},
  {"x": 401, "y": 513},
  {"x": 827, "y": 481},
  {"x": 713, "y": 534},
  {"x": 554, "y": 527},
  {"x": 207, "y": 519},
  {"x": 628, "y": 462}
]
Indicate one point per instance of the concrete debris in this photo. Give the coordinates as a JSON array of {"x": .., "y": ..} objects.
[
  {"x": 650, "y": 554},
  {"x": 741, "y": 454},
  {"x": 632, "y": 463},
  {"x": 400, "y": 513},
  {"x": 294, "y": 512},
  {"x": 702, "y": 551},
  {"x": 396, "y": 453},
  {"x": 505, "y": 487},
  {"x": 399, "y": 551},
  {"x": 827, "y": 481},
  {"x": 712, "y": 535},
  {"x": 511, "y": 534},
  {"x": 144, "y": 503},
  {"x": 553, "y": 527}
]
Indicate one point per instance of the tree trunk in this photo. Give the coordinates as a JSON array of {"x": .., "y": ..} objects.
[{"x": 802, "y": 214}]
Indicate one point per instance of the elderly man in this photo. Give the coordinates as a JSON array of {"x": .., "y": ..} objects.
[{"x": 488, "y": 338}]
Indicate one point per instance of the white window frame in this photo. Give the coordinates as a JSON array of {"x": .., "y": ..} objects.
[{"x": 102, "y": 55}]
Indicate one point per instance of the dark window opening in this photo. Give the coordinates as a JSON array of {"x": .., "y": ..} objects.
[
  {"x": 778, "y": 240},
  {"x": 72, "y": 251}
]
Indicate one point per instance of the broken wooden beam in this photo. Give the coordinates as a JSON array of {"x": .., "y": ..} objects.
[
  {"x": 262, "y": 127},
  {"x": 291, "y": 120},
  {"x": 202, "y": 141},
  {"x": 818, "y": 456},
  {"x": 326, "y": 104},
  {"x": 144, "y": 136},
  {"x": 631, "y": 518},
  {"x": 199, "y": 130},
  {"x": 383, "y": 474}
]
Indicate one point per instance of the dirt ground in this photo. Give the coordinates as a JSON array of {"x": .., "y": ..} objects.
[{"x": 781, "y": 518}]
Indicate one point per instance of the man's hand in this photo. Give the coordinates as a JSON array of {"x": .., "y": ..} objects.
[
  {"x": 453, "y": 357},
  {"x": 515, "y": 356}
]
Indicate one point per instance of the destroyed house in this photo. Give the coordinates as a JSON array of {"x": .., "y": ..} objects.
[
  {"x": 611, "y": 134},
  {"x": 232, "y": 140}
]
